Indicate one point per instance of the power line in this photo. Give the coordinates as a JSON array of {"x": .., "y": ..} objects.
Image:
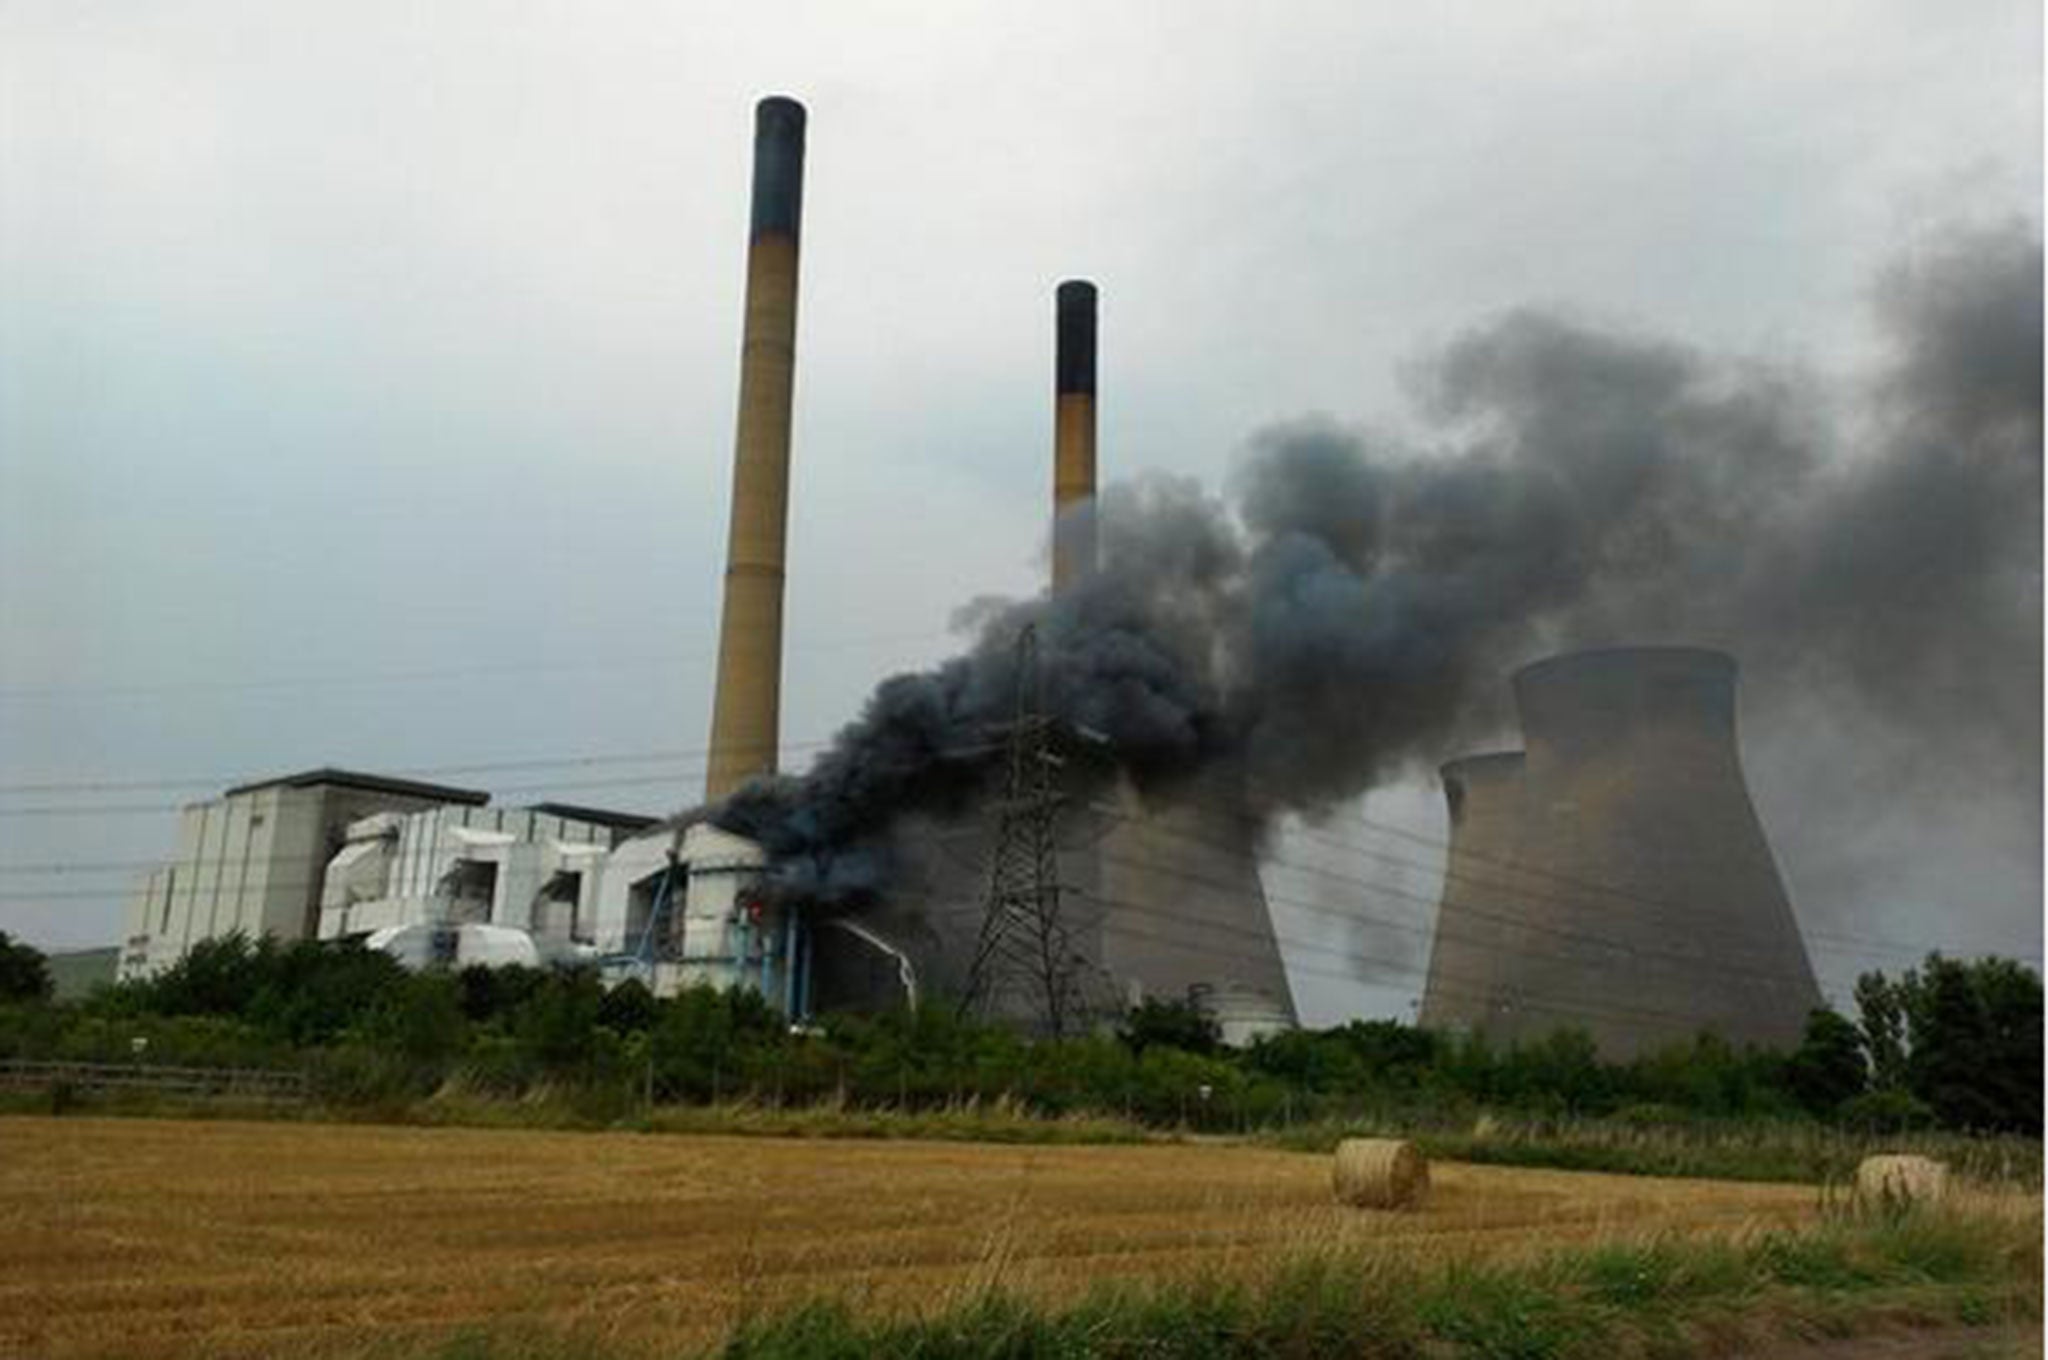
[
  {"x": 1182, "y": 924},
  {"x": 375, "y": 678},
  {"x": 1455, "y": 983},
  {"x": 1023, "y": 947},
  {"x": 552, "y": 786},
  {"x": 1371, "y": 887},
  {"x": 1510, "y": 920},
  {"x": 1626, "y": 950},
  {"x": 1633, "y": 900},
  {"x": 403, "y": 772},
  {"x": 1627, "y": 900}
]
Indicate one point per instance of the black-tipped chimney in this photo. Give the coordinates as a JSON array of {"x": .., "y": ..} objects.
[
  {"x": 746, "y": 710},
  {"x": 1073, "y": 465}
]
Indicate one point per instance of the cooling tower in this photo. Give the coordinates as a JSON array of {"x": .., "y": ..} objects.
[
  {"x": 939, "y": 891},
  {"x": 1163, "y": 895},
  {"x": 1623, "y": 884},
  {"x": 1073, "y": 467},
  {"x": 1182, "y": 904},
  {"x": 1480, "y": 958},
  {"x": 746, "y": 709}
]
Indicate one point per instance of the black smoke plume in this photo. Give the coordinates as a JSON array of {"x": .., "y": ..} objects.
[{"x": 1351, "y": 612}]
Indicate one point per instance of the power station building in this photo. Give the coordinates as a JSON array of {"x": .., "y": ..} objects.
[
  {"x": 426, "y": 871},
  {"x": 255, "y": 859},
  {"x": 443, "y": 885},
  {"x": 1153, "y": 900},
  {"x": 1613, "y": 875}
]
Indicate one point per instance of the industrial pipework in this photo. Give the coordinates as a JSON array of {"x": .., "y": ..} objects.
[
  {"x": 1073, "y": 465},
  {"x": 747, "y": 707}
]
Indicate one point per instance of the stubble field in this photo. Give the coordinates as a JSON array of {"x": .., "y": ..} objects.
[{"x": 166, "y": 1238}]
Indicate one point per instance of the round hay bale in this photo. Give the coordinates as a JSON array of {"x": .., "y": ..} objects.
[
  {"x": 1379, "y": 1173},
  {"x": 1894, "y": 1179}
]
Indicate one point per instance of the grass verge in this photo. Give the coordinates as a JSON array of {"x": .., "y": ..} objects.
[
  {"x": 996, "y": 1121},
  {"x": 1748, "y": 1150},
  {"x": 1751, "y": 1150},
  {"x": 1668, "y": 1299}
]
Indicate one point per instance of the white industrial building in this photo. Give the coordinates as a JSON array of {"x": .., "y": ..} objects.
[
  {"x": 434, "y": 876},
  {"x": 683, "y": 908},
  {"x": 254, "y": 860},
  {"x": 524, "y": 881}
]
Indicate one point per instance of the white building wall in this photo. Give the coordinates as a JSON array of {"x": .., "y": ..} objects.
[
  {"x": 253, "y": 862},
  {"x": 719, "y": 933},
  {"x": 525, "y": 850},
  {"x": 283, "y": 835},
  {"x": 631, "y": 862}
]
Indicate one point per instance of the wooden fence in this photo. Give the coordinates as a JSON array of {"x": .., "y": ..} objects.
[{"x": 236, "y": 1083}]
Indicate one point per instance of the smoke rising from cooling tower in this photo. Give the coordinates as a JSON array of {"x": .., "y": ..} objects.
[{"x": 1348, "y": 614}]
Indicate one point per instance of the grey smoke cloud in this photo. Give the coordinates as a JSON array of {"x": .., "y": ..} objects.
[{"x": 1350, "y": 611}]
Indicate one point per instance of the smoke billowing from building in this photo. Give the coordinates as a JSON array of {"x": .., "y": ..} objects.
[{"x": 1346, "y": 615}]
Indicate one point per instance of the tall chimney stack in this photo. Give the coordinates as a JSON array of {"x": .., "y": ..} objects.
[
  {"x": 746, "y": 712},
  {"x": 1073, "y": 457}
]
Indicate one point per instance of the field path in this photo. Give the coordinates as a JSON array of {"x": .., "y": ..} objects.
[{"x": 129, "y": 1237}]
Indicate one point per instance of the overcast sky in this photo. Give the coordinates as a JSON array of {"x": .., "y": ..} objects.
[{"x": 367, "y": 370}]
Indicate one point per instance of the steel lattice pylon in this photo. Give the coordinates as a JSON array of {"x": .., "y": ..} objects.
[{"x": 1023, "y": 954}]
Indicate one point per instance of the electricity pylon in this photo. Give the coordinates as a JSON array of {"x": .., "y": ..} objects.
[{"x": 1024, "y": 953}]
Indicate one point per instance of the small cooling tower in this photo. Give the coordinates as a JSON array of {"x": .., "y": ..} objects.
[
  {"x": 1619, "y": 880},
  {"x": 1481, "y": 961},
  {"x": 1182, "y": 903}
]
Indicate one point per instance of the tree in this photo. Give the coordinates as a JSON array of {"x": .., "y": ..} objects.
[
  {"x": 554, "y": 1025},
  {"x": 1828, "y": 1068},
  {"x": 1881, "y": 1007},
  {"x": 24, "y": 973},
  {"x": 1975, "y": 1053},
  {"x": 1963, "y": 1038},
  {"x": 629, "y": 1008},
  {"x": 1169, "y": 1024},
  {"x": 421, "y": 1018}
]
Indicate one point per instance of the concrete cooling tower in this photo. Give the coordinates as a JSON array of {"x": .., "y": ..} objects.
[
  {"x": 1614, "y": 876},
  {"x": 1183, "y": 908},
  {"x": 1159, "y": 901},
  {"x": 1159, "y": 898},
  {"x": 1167, "y": 896}
]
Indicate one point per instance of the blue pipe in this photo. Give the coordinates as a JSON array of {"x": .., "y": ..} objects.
[
  {"x": 645, "y": 953},
  {"x": 805, "y": 945}
]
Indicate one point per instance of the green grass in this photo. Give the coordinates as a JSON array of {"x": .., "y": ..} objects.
[
  {"x": 1730, "y": 1149},
  {"x": 991, "y": 1122},
  {"x": 970, "y": 1121},
  {"x": 1753, "y": 1150},
  {"x": 1669, "y": 1299}
]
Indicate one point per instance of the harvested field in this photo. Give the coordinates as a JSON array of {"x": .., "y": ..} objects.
[{"x": 164, "y": 1238}]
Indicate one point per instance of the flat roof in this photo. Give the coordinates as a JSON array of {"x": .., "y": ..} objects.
[
  {"x": 630, "y": 821},
  {"x": 375, "y": 783}
]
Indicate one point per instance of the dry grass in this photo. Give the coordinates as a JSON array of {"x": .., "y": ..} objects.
[{"x": 161, "y": 1238}]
